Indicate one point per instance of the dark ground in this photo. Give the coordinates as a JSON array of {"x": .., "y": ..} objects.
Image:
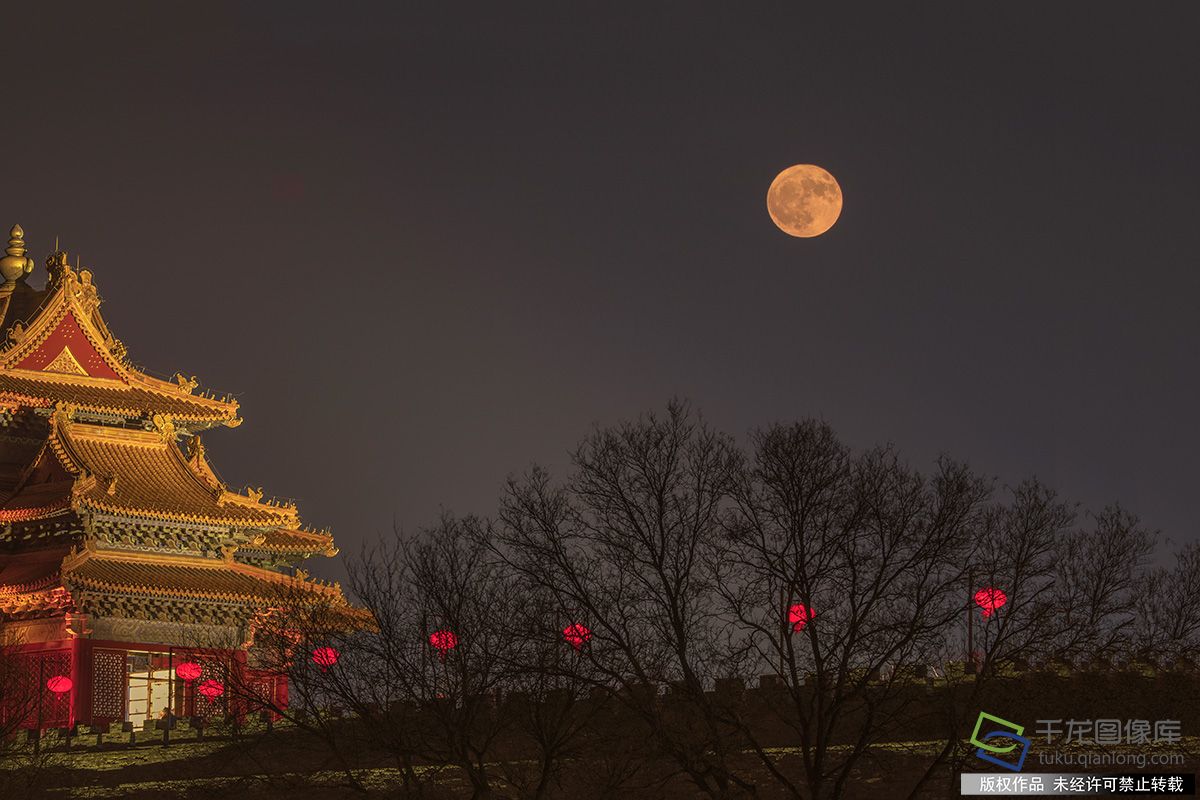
[{"x": 280, "y": 765}]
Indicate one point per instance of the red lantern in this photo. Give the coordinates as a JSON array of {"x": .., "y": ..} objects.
[
  {"x": 577, "y": 635},
  {"x": 990, "y": 600},
  {"x": 212, "y": 689},
  {"x": 59, "y": 684},
  {"x": 798, "y": 616},
  {"x": 443, "y": 641},
  {"x": 189, "y": 671},
  {"x": 325, "y": 657}
]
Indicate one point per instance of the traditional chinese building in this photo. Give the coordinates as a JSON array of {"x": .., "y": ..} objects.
[{"x": 121, "y": 551}]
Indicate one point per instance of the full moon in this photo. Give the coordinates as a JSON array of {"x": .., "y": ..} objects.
[{"x": 804, "y": 200}]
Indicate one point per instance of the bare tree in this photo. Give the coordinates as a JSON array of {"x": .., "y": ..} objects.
[
  {"x": 1166, "y": 609},
  {"x": 436, "y": 662},
  {"x": 619, "y": 549},
  {"x": 282, "y": 674},
  {"x": 670, "y": 560},
  {"x": 18, "y": 697},
  {"x": 840, "y": 568},
  {"x": 1069, "y": 596},
  {"x": 546, "y": 698}
]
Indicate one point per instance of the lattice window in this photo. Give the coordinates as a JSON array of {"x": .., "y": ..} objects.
[
  {"x": 58, "y": 704},
  {"x": 52, "y": 708},
  {"x": 212, "y": 669},
  {"x": 108, "y": 684},
  {"x": 261, "y": 692}
]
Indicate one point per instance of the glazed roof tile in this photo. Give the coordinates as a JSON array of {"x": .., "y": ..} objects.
[
  {"x": 139, "y": 473},
  {"x": 38, "y": 390},
  {"x": 192, "y": 578},
  {"x": 282, "y": 540}
]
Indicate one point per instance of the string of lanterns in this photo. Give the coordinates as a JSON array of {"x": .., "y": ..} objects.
[{"x": 989, "y": 599}]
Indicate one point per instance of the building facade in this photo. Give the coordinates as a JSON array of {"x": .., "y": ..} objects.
[{"x": 122, "y": 553}]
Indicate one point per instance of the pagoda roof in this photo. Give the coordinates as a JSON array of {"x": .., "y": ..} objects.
[
  {"x": 92, "y": 458},
  {"x": 55, "y": 347},
  {"x": 130, "y": 472},
  {"x": 144, "y": 574}
]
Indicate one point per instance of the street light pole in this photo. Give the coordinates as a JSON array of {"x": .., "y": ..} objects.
[
  {"x": 783, "y": 633},
  {"x": 970, "y": 621},
  {"x": 170, "y": 685},
  {"x": 37, "y": 740}
]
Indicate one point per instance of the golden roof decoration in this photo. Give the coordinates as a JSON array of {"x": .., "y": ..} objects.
[
  {"x": 66, "y": 363},
  {"x": 61, "y": 348},
  {"x": 15, "y": 265},
  {"x": 186, "y": 385},
  {"x": 165, "y": 427},
  {"x": 198, "y": 460}
]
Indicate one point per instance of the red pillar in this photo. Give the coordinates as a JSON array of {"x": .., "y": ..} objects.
[
  {"x": 281, "y": 691},
  {"x": 238, "y": 677},
  {"x": 81, "y": 681}
]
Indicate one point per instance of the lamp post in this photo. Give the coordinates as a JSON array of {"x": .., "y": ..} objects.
[
  {"x": 170, "y": 686},
  {"x": 784, "y": 641},
  {"x": 970, "y": 620},
  {"x": 37, "y": 741}
]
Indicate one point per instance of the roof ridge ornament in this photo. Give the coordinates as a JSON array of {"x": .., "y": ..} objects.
[
  {"x": 15, "y": 265},
  {"x": 186, "y": 385},
  {"x": 165, "y": 426},
  {"x": 56, "y": 264}
]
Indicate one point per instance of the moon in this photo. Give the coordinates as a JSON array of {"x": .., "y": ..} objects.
[{"x": 804, "y": 200}]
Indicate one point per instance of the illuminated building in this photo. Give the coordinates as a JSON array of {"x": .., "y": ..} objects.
[{"x": 121, "y": 551}]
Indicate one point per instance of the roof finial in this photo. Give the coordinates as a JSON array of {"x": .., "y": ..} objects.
[
  {"x": 56, "y": 262},
  {"x": 15, "y": 265}
]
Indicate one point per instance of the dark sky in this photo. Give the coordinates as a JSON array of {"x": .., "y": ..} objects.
[{"x": 427, "y": 248}]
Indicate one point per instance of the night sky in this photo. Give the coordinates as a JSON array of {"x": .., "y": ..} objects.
[{"x": 428, "y": 248}]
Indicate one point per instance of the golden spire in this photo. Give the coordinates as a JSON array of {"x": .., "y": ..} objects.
[{"x": 15, "y": 265}]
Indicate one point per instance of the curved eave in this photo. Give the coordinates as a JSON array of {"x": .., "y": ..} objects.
[
  {"x": 36, "y": 512},
  {"x": 182, "y": 577},
  {"x": 37, "y": 390},
  {"x": 293, "y": 543},
  {"x": 165, "y": 515}
]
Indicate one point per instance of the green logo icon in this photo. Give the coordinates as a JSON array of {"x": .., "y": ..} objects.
[
  {"x": 995, "y": 748},
  {"x": 1002, "y": 729}
]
